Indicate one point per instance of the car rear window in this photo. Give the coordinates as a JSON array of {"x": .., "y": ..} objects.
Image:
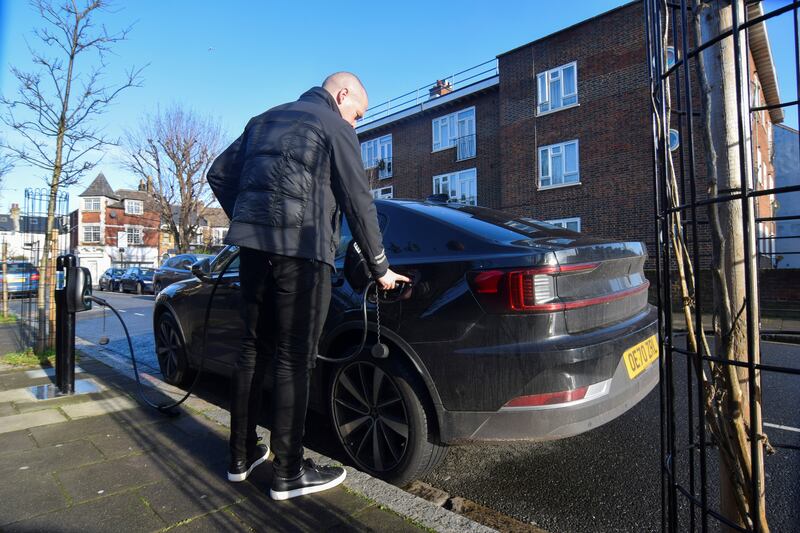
[
  {"x": 488, "y": 223},
  {"x": 147, "y": 273},
  {"x": 17, "y": 268}
]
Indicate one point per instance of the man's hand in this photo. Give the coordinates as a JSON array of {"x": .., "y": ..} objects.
[{"x": 390, "y": 279}]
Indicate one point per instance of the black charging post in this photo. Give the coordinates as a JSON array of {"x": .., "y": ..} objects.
[{"x": 65, "y": 328}]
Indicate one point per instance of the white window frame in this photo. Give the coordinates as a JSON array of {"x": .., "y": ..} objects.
[
  {"x": 543, "y": 84},
  {"x": 447, "y": 129},
  {"x": 550, "y": 150},
  {"x": 218, "y": 235},
  {"x": 564, "y": 222},
  {"x": 91, "y": 227},
  {"x": 376, "y": 150},
  {"x": 197, "y": 239},
  {"x": 136, "y": 231},
  {"x": 385, "y": 193},
  {"x": 90, "y": 203},
  {"x": 129, "y": 207},
  {"x": 451, "y": 183}
]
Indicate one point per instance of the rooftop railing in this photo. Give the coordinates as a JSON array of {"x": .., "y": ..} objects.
[{"x": 425, "y": 93}]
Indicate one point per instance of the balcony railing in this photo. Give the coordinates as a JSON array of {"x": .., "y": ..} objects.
[
  {"x": 453, "y": 82},
  {"x": 465, "y": 147}
]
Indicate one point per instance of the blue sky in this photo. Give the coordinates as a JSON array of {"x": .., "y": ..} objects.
[{"x": 234, "y": 59}]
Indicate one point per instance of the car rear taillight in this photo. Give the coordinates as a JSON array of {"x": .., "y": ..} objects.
[
  {"x": 34, "y": 277},
  {"x": 528, "y": 290},
  {"x": 549, "y": 398}
]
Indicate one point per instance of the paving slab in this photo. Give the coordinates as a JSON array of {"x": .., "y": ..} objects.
[
  {"x": 112, "y": 476},
  {"x": 175, "y": 500},
  {"x": 40, "y": 494},
  {"x": 126, "y": 440},
  {"x": 16, "y": 395},
  {"x": 122, "y": 512},
  {"x": 213, "y": 523},
  {"x": 50, "y": 459},
  {"x": 48, "y": 372},
  {"x": 376, "y": 519},
  {"x": 100, "y": 407},
  {"x": 7, "y": 409},
  {"x": 16, "y": 441},
  {"x": 30, "y": 420},
  {"x": 79, "y": 429}
]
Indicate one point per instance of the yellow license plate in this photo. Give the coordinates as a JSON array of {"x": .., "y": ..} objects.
[{"x": 639, "y": 357}]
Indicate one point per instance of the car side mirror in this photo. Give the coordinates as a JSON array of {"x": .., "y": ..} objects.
[{"x": 202, "y": 269}]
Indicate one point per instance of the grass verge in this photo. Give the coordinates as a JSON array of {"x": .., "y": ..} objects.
[{"x": 29, "y": 358}]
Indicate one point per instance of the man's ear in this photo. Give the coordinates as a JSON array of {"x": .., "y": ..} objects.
[{"x": 340, "y": 96}]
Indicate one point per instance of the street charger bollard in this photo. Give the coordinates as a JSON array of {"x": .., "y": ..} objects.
[{"x": 73, "y": 286}]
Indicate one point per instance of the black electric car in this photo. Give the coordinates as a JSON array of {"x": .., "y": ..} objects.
[
  {"x": 175, "y": 269},
  {"x": 137, "y": 279},
  {"x": 513, "y": 329},
  {"x": 109, "y": 280}
]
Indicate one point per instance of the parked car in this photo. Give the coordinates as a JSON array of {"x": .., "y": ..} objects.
[
  {"x": 109, "y": 280},
  {"x": 175, "y": 269},
  {"x": 514, "y": 329},
  {"x": 22, "y": 278},
  {"x": 138, "y": 280}
]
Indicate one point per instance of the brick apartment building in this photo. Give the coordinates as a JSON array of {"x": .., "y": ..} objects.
[
  {"x": 559, "y": 131},
  {"x": 111, "y": 227}
]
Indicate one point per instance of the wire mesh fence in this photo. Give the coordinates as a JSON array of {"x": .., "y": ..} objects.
[
  {"x": 30, "y": 262},
  {"x": 716, "y": 105}
]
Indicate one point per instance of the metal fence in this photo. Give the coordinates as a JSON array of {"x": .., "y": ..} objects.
[
  {"x": 34, "y": 307},
  {"x": 685, "y": 207}
]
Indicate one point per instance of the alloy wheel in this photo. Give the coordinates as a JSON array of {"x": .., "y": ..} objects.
[
  {"x": 168, "y": 346},
  {"x": 370, "y": 416}
]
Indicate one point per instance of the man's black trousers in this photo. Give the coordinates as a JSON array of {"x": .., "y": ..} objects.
[{"x": 284, "y": 305}]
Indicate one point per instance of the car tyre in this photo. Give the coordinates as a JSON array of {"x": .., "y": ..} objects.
[
  {"x": 385, "y": 432},
  {"x": 140, "y": 288},
  {"x": 171, "y": 352}
]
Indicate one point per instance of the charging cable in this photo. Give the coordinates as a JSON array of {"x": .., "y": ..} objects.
[{"x": 168, "y": 408}]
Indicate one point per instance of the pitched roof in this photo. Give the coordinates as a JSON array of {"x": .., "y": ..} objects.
[
  {"x": 100, "y": 187},
  {"x": 121, "y": 195},
  {"x": 215, "y": 217}
]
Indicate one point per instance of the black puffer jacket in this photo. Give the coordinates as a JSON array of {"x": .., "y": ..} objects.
[{"x": 286, "y": 180}]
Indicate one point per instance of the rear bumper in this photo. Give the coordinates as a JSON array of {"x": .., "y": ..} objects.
[{"x": 613, "y": 397}]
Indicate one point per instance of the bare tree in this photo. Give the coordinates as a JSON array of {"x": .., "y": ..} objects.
[
  {"x": 55, "y": 107},
  {"x": 5, "y": 166},
  {"x": 175, "y": 149}
]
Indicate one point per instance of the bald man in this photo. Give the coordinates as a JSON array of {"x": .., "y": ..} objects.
[{"x": 284, "y": 184}]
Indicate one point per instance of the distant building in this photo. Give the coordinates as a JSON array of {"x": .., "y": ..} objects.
[
  {"x": 115, "y": 228},
  {"x": 24, "y": 234},
  {"x": 787, "y": 174}
]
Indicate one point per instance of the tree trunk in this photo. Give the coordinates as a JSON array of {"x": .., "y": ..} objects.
[{"x": 725, "y": 168}]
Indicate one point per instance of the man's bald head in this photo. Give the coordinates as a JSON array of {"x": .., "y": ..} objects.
[{"x": 349, "y": 93}]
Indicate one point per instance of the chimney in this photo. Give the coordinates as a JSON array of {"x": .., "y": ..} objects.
[
  {"x": 441, "y": 88},
  {"x": 15, "y": 212},
  {"x": 141, "y": 185},
  {"x": 149, "y": 184}
]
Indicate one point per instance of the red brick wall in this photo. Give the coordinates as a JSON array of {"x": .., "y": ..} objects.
[
  {"x": 611, "y": 124},
  {"x": 414, "y": 165},
  {"x": 149, "y": 221}
]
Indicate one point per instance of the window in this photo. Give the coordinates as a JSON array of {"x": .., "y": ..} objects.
[
  {"x": 557, "y": 88},
  {"x": 458, "y": 186},
  {"x": 219, "y": 235},
  {"x": 91, "y": 233},
  {"x": 383, "y": 192},
  {"x": 91, "y": 204},
  {"x": 558, "y": 165},
  {"x": 134, "y": 207},
  {"x": 134, "y": 235},
  {"x": 456, "y": 129},
  {"x": 198, "y": 237},
  {"x": 572, "y": 224},
  {"x": 377, "y": 153}
]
